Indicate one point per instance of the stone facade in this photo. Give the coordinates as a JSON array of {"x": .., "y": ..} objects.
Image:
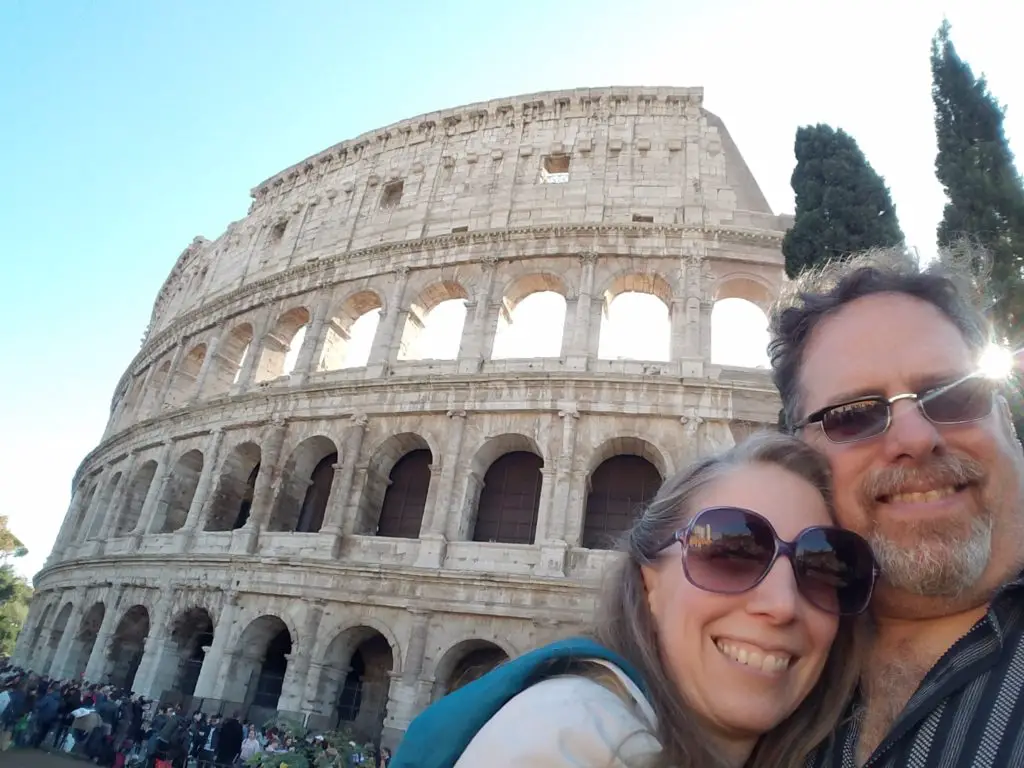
[{"x": 273, "y": 522}]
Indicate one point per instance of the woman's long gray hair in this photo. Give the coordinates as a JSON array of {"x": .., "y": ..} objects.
[{"x": 626, "y": 626}]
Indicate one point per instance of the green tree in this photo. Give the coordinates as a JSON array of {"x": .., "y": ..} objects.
[
  {"x": 13, "y": 609},
  {"x": 842, "y": 204},
  {"x": 976, "y": 168}
]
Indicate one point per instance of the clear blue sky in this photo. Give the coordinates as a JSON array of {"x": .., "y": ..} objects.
[{"x": 127, "y": 128}]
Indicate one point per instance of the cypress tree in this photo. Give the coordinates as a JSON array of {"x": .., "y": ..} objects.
[
  {"x": 976, "y": 168},
  {"x": 842, "y": 204}
]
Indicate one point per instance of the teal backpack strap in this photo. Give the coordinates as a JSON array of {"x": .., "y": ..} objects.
[{"x": 441, "y": 733}]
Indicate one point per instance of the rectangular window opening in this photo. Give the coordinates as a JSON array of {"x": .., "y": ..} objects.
[
  {"x": 392, "y": 195},
  {"x": 456, "y": 230},
  {"x": 643, "y": 219},
  {"x": 554, "y": 169}
]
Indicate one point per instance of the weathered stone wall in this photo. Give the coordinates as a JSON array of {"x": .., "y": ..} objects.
[{"x": 159, "y": 578}]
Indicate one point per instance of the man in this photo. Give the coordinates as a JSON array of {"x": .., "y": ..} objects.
[{"x": 870, "y": 358}]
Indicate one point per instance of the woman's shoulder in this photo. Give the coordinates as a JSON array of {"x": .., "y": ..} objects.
[{"x": 568, "y": 720}]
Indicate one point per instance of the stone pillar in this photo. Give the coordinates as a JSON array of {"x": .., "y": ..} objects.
[
  {"x": 433, "y": 541},
  {"x": 155, "y": 493},
  {"x": 552, "y": 536},
  {"x": 157, "y": 646},
  {"x": 211, "y": 466},
  {"x": 338, "y": 520},
  {"x": 294, "y": 687},
  {"x": 58, "y": 666},
  {"x": 22, "y": 650},
  {"x": 386, "y": 342},
  {"x": 78, "y": 501},
  {"x": 307, "y": 359},
  {"x": 406, "y": 695},
  {"x": 214, "y": 672},
  {"x": 141, "y": 402},
  {"x": 97, "y": 510},
  {"x": 204, "y": 369},
  {"x": 116, "y": 509},
  {"x": 165, "y": 389},
  {"x": 576, "y": 343},
  {"x": 252, "y": 358},
  {"x": 480, "y": 326},
  {"x": 267, "y": 482},
  {"x": 97, "y": 665}
]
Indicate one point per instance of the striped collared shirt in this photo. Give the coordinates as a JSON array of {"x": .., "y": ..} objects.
[{"x": 968, "y": 711}]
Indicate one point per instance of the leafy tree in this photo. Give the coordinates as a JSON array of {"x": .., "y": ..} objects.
[
  {"x": 842, "y": 204},
  {"x": 13, "y": 609},
  {"x": 976, "y": 168}
]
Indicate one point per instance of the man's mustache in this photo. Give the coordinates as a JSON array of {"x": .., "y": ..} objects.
[{"x": 938, "y": 472}]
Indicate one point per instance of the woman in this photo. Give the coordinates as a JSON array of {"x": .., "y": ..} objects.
[
  {"x": 250, "y": 745},
  {"x": 735, "y": 611}
]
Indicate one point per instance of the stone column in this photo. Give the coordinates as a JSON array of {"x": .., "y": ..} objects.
[
  {"x": 211, "y": 465},
  {"x": 96, "y": 667},
  {"x": 214, "y": 672},
  {"x": 142, "y": 400},
  {"x": 433, "y": 542},
  {"x": 552, "y": 537},
  {"x": 575, "y": 345},
  {"x": 157, "y": 645},
  {"x": 247, "y": 375},
  {"x": 480, "y": 326},
  {"x": 78, "y": 501},
  {"x": 21, "y": 646},
  {"x": 406, "y": 699},
  {"x": 97, "y": 511},
  {"x": 294, "y": 687},
  {"x": 307, "y": 359},
  {"x": 58, "y": 666},
  {"x": 337, "y": 520},
  {"x": 165, "y": 389},
  {"x": 267, "y": 482},
  {"x": 204, "y": 369},
  {"x": 385, "y": 343},
  {"x": 116, "y": 509},
  {"x": 155, "y": 493}
]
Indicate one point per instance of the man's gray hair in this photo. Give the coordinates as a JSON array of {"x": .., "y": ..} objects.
[{"x": 953, "y": 283}]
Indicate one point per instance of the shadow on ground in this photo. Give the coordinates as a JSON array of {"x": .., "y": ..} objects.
[{"x": 34, "y": 758}]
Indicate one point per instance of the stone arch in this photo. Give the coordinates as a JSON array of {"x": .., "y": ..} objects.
[
  {"x": 739, "y": 321},
  {"x": 465, "y": 661},
  {"x": 258, "y": 665},
  {"x": 32, "y": 650},
  {"x": 138, "y": 489},
  {"x": 191, "y": 633},
  {"x": 44, "y": 657},
  {"x": 397, "y": 483},
  {"x": 505, "y": 482},
  {"x": 127, "y": 645},
  {"x": 633, "y": 326},
  {"x": 88, "y": 499},
  {"x": 103, "y": 505},
  {"x": 151, "y": 401},
  {"x": 355, "y": 680},
  {"x": 281, "y": 344},
  {"x": 531, "y": 308},
  {"x": 351, "y": 331},
  {"x": 226, "y": 366},
  {"x": 427, "y": 336},
  {"x": 183, "y": 384},
  {"x": 82, "y": 645},
  {"x": 229, "y": 508},
  {"x": 624, "y": 474},
  {"x": 173, "y": 507},
  {"x": 305, "y": 486},
  {"x": 747, "y": 286}
]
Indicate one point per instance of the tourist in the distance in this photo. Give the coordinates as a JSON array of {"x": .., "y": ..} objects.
[{"x": 729, "y": 636}]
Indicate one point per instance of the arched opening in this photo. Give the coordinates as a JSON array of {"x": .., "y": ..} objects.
[
  {"x": 281, "y": 346},
  {"x": 635, "y": 322},
  {"x": 433, "y": 326},
  {"x": 226, "y": 366},
  {"x": 34, "y": 646},
  {"x": 739, "y": 334},
  {"x": 82, "y": 645},
  {"x": 395, "y": 492},
  {"x": 531, "y": 318},
  {"x": 127, "y": 646},
  {"x": 103, "y": 506},
  {"x": 258, "y": 666},
  {"x": 350, "y": 332},
  {"x": 616, "y": 490},
  {"x": 229, "y": 509},
  {"x": 465, "y": 662},
  {"x": 183, "y": 385},
  {"x": 355, "y": 682},
  {"x": 136, "y": 499},
  {"x": 305, "y": 487},
  {"x": 191, "y": 635},
  {"x": 83, "y": 511},
  {"x": 152, "y": 404},
  {"x": 178, "y": 493},
  {"x": 509, "y": 496},
  {"x": 52, "y": 642}
]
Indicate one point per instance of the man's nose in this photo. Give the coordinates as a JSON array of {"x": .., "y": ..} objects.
[{"x": 910, "y": 433}]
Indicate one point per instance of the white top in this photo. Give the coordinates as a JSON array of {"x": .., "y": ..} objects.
[{"x": 568, "y": 721}]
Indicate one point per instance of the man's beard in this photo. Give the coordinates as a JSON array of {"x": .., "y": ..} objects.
[{"x": 932, "y": 558}]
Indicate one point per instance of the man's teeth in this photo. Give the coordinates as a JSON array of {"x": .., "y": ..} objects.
[
  {"x": 766, "y": 662},
  {"x": 920, "y": 497}
]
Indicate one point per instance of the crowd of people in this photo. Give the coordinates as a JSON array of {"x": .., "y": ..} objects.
[{"x": 116, "y": 728}]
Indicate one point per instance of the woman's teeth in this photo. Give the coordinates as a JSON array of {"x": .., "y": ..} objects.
[{"x": 766, "y": 662}]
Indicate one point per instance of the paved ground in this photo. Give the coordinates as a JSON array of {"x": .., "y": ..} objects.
[{"x": 34, "y": 758}]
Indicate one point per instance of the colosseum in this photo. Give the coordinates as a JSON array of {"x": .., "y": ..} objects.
[{"x": 334, "y": 484}]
